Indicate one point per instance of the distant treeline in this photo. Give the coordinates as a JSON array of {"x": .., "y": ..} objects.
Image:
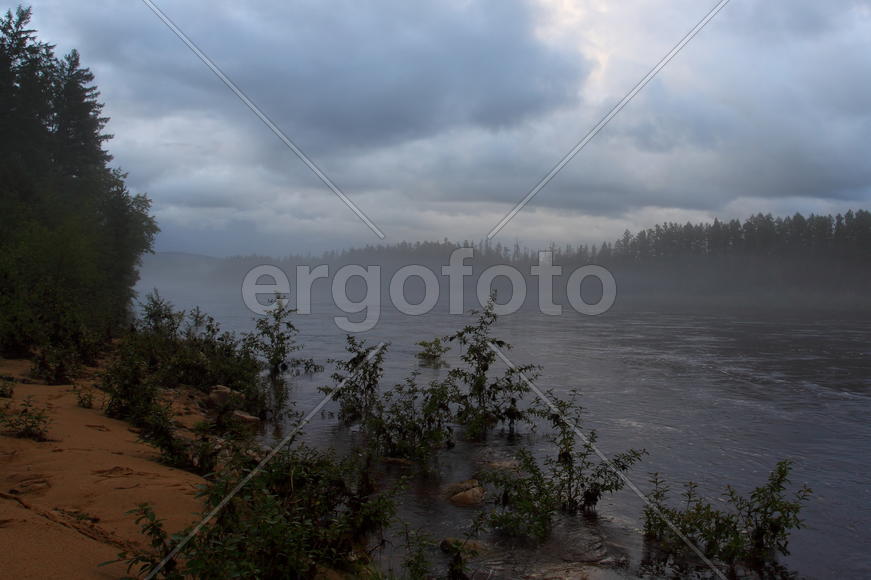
[
  {"x": 844, "y": 237},
  {"x": 71, "y": 235},
  {"x": 797, "y": 261}
]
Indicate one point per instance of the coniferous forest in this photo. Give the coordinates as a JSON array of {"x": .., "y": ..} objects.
[{"x": 71, "y": 233}]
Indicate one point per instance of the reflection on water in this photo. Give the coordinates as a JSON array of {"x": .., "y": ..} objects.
[{"x": 713, "y": 398}]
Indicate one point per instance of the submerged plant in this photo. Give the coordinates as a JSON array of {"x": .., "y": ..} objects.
[
  {"x": 357, "y": 379},
  {"x": 488, "y": 400},
  {"x": 432, "y": 353},
  {"x": 275, "y": 341},
  {"x": 579, "y": 476},
  {"x": 524, "y": 503},
  {"x": 753, "y": 532},
  {"x": 410, "y": 421}
]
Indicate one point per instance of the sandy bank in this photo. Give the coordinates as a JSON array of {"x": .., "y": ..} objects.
[{"x": 63, "y": 501}]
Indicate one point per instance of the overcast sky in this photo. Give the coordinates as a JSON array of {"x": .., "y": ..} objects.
[{"x": 437, "y": 117}]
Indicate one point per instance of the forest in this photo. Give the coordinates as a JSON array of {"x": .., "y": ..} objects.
[{"x": 70, "y": 231}]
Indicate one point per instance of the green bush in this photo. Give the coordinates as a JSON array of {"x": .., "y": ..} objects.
[
  {"x": 85, "y": 398},
  {"x": 524, "y": 502},
  {"x": 305, "y": 511},
  {"x": 410, "y": 421},
  {"x": 752, "y": 532},
  {"x": 57, "y": 365},
  {"x": 28, "y": 422},
  {"x": 432, "y": 353},
  {"x": 356, "y": 380},
  {"x": 7, "y": 388},
  {"x": 577, "y": 475},
  {"x": 275, "y": 340},
  {"x": 573, "y": 480},
  {"x": 488, "y": 400}
]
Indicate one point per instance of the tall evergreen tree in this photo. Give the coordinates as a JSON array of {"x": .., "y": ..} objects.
[{"x": 71, "y": 234}]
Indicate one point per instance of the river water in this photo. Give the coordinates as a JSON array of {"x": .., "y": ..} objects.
[{"x": 715, "y": 398}]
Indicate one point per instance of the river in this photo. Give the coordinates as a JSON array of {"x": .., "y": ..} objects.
[{"x": 715, "y": 398}]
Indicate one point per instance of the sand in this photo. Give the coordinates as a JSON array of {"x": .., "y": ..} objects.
[{"x": 63, "y": 501}]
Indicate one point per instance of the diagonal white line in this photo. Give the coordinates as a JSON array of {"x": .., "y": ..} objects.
[
  {"x": 607, "y": 461},
  {"x": 259, "y": 467},
  {"x": 606, "y": 119},
  {"x": 263, "y": 117}
]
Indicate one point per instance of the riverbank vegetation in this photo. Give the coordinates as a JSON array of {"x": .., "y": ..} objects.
[{"x": 306, "y": 511}]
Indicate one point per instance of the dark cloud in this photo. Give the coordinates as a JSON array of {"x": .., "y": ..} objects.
[
  {"x": 436, "y": 117},
  {"x": 339, "y": 74}
]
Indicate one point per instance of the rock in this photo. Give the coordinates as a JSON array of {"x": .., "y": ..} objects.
[
  {"x": 471, "y": 497},
  {"x": 245, "y": 418},
  {"x": 455, "y": 488},
  {"x": 451, "y": 545},
  {"x": 507, "y": 465},
  {"x": 220, "y": 395}
]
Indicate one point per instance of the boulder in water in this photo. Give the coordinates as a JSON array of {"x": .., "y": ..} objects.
[{"x": 471, "y": 497}]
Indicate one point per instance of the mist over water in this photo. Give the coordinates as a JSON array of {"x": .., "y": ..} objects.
[{"x": 716, "y": 394}]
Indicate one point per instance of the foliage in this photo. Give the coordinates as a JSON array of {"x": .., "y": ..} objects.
[
  {"x": 752, "y": 532},
  {"x": 191, "y": 349},
  {"x": 57, "y": 365},
  {"x": 170, "y": 348},
  {"x": 416, "y": 563},
  {"x": 525, "y": 503},
  {"x": 578, "y": 476},
  {"x": 410, "y": 421},
  {"x": 488, "y": 401},
  {"x": 7, "y": 388},
  {"x": 71, "y": 233},
  {"x": 527, "y": 498},
  {"x": 356, "y": 380},
  {"x": 304, "y": 510},
  {"x": 28, "y": 422},
  {"x": 432, "y": 352},
  {"x": 85, "y": 398},
  {"x": 276, "y": 340}
]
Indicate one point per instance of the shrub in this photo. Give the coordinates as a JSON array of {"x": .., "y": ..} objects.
[
  {"x": 57, "y": 365},
  {"x": 752, "y": 532},
  {"x": 191, "y": 349},
  {"x": 416, "y": 563},
  {"x": 356, "y": 380},
  {"x": 28, "y": 422},
  {"x": 432, "y": 353},
  {"x": 410, "y": 421},
  {"x": 85, "y": 398},
  {"x": 577, "y": 475},
  {"x": 527, "y": 498},
  {"x": 305, "y": 510},
  {"x": 7, "y": 388},
  {"x": 524, "y": 502},
  {"x": 488, "y": 401},
  {"x": 276, "y": 340}
]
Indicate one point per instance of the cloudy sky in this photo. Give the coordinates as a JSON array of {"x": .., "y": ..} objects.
[{"x": 436, "y": 117}]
